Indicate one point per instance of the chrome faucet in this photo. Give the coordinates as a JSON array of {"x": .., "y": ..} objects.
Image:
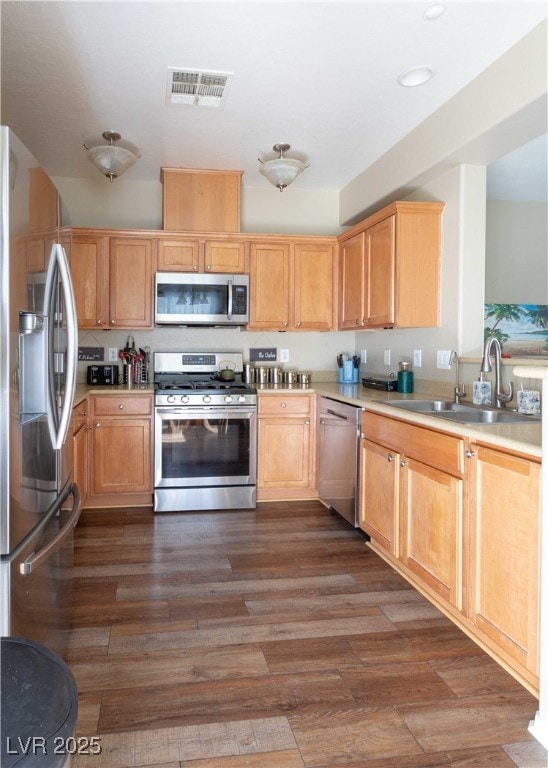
[
  {"x": 459, "y": 391},
  {"x": 492, "y": 346}
]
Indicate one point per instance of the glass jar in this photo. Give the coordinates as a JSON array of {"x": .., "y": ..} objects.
[{"x": 405, "y": 378}]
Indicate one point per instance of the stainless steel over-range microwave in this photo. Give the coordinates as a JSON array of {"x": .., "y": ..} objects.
[{"x": 190, "y": 299}]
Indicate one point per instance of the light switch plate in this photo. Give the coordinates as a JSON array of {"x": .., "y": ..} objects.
[
  {"x": 363, "y": 356},
  {"x": 443, "y": 357},
  {"x": 417, "y": 358},
  {"x": 387, "y": 357},
  {"x": 112, "y": 355},
  {"x": 284, "y": 355}
]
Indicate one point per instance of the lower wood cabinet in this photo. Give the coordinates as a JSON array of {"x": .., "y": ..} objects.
[
  {"x": 286, "y": 446},
  {"x": 504, "y": 553},
  {"x": 121, "y": 450},
  {"x": 80, "y": 447},
  {"x": 461, "y": 521}
]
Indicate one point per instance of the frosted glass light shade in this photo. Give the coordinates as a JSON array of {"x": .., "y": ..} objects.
[
  {"x": 282, "y": 171},
  {"x": 111, "y": 160}
]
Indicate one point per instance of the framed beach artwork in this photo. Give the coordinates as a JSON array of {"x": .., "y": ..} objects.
[{"x": 522, "y": 329}]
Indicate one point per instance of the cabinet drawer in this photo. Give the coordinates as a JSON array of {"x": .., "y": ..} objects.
[
  {"x": 122, "y": 405},
  {"x": 439, "y": 450},
  {"x": 284, "y": 405}
]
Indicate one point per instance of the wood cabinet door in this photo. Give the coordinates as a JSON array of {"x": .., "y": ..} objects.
[
  {"x": 313, "y": 287},
  {"x": 130, "y": 273},
  {"x": 431, "y": 520},
  {"x": 89, "y": 271},
  {"x": 121, "y": 456},
  {"x": 178, "y": 254},
  {"x": 270, "y": 270},
  {"x": 224, "y": 256},
  {"x": 351, "y": 283},
  {"x": 379, "y": 497},
  {"x": 504, "y": 562},
  {"x": 380, "y": 255},
  {"x": 284, "y": 453},
  {"x": 81, "y": 461}
]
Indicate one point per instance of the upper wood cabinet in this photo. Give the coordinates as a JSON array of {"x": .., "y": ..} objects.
[
  {"x": 112, "y": 279},
  {"x": 201, "y": 201},
  {"x": 187, "y": 254},
  {"x": 292, "y": 285},
  {"x": 389, "y": 267}
]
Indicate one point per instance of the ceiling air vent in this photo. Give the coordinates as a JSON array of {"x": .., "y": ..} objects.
[{"x": 197, "y": 88}]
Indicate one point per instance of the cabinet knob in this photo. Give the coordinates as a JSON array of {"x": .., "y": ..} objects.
[
  {"x": 194, "y": 267},
  {"x": 121, "y": 406},
  {"x": 113, "y": 322},
  {"x": 286, "y": 324},
  {"x": 358, "y": 321},
  {"x": 283, "y": 405},
  {"x": 307, "y": 422},
  {"x": 99, "y": 322},
  {"x": 469, "y": 454},
  {"x": 97, "y": 426},
  {"x": 404, "y": 463},
  {"x": 299, "y": 323},
  {"x": 390, "y": 458},
  {"x": 209, "y": 266}
]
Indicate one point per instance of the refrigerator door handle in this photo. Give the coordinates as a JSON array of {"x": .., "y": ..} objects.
[
  {"x": 58, "y": 261},
  {"x": 37, "y": 558}
]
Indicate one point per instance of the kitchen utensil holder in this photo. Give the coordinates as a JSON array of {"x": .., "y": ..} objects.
[
  {"x": 348, "y": 374},
  {"x": 140, "y": 371}
]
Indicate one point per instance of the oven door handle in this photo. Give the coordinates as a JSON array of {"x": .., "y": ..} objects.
[{"x": 199, "y": 412}]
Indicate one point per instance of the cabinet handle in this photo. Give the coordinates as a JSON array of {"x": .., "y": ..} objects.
[
  {"x": 121, "y": 406},
  {"x": 469, "y": 454},
  {"x": 403, "y": 463},
  {"x": 390, "y": 458}
]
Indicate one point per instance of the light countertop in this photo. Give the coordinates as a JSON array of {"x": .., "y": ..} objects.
[{"x": 522, "y": 437}]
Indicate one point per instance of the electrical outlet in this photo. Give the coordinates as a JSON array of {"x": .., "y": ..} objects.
[
  {"x": 443, "y": 356},
  {"x": 387, "y": 357},
  {"x": 112, "y": 355},
  {"x": 284, "y": 355},
  {"x": 417, "y": 358},
  {"x": 363, "y": 356}
]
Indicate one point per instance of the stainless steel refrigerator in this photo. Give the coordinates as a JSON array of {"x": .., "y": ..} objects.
[{"x": 40, "y": 504}]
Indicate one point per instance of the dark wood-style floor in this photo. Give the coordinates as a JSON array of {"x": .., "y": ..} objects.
[{"x": 274, "y": 639}]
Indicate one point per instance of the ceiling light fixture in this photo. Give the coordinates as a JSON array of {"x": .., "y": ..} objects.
[
  {"x": 415, "y": 76},
  {"x": 282, "y": 171},
  {"x": 111, "y": 160}
]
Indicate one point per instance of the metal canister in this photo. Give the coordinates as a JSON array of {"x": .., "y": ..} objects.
[
  {"x": 303, "y": 378},
  {"x": 249, "y": 373},
  {"x": 261, "y": 374},
  {"x": 405, "y": 378},
  {"x": 290, "y": 377},
  {"x": 275, "y": 375}
]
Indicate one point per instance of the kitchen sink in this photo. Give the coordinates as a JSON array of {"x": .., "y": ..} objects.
[{"x": 463, "y": 413}]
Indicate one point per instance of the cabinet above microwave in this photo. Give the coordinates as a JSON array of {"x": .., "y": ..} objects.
[{"x": 201, "y": 299}]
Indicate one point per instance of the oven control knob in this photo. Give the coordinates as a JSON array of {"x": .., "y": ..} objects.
[
  {"x": 241, "y": 399},
  {"x": 185, "y": 399},
  {"x": 228, "y": 398},
  {"x": 206, "y": 398},
  {"x": 171, "y": 398}
]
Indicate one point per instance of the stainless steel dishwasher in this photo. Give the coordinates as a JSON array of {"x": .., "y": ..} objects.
[{"x": 339, "y": 432}]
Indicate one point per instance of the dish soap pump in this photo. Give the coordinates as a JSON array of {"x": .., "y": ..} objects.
[{"x": 405, "y": 378}]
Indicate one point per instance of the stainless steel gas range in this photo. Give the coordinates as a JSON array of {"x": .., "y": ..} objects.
[{"x": 205, "y": 429}]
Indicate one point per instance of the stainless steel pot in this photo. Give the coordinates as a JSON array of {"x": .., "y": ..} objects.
[{"x": 227, "y": 370}]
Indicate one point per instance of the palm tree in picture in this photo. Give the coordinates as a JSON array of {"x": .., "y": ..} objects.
[{"x": 500, "y": 312}]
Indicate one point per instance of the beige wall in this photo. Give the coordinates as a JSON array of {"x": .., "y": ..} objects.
[{"x": 516, "y": 264}]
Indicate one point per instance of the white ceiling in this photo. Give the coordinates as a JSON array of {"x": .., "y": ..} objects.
[{"x": 321, "y": 76}]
